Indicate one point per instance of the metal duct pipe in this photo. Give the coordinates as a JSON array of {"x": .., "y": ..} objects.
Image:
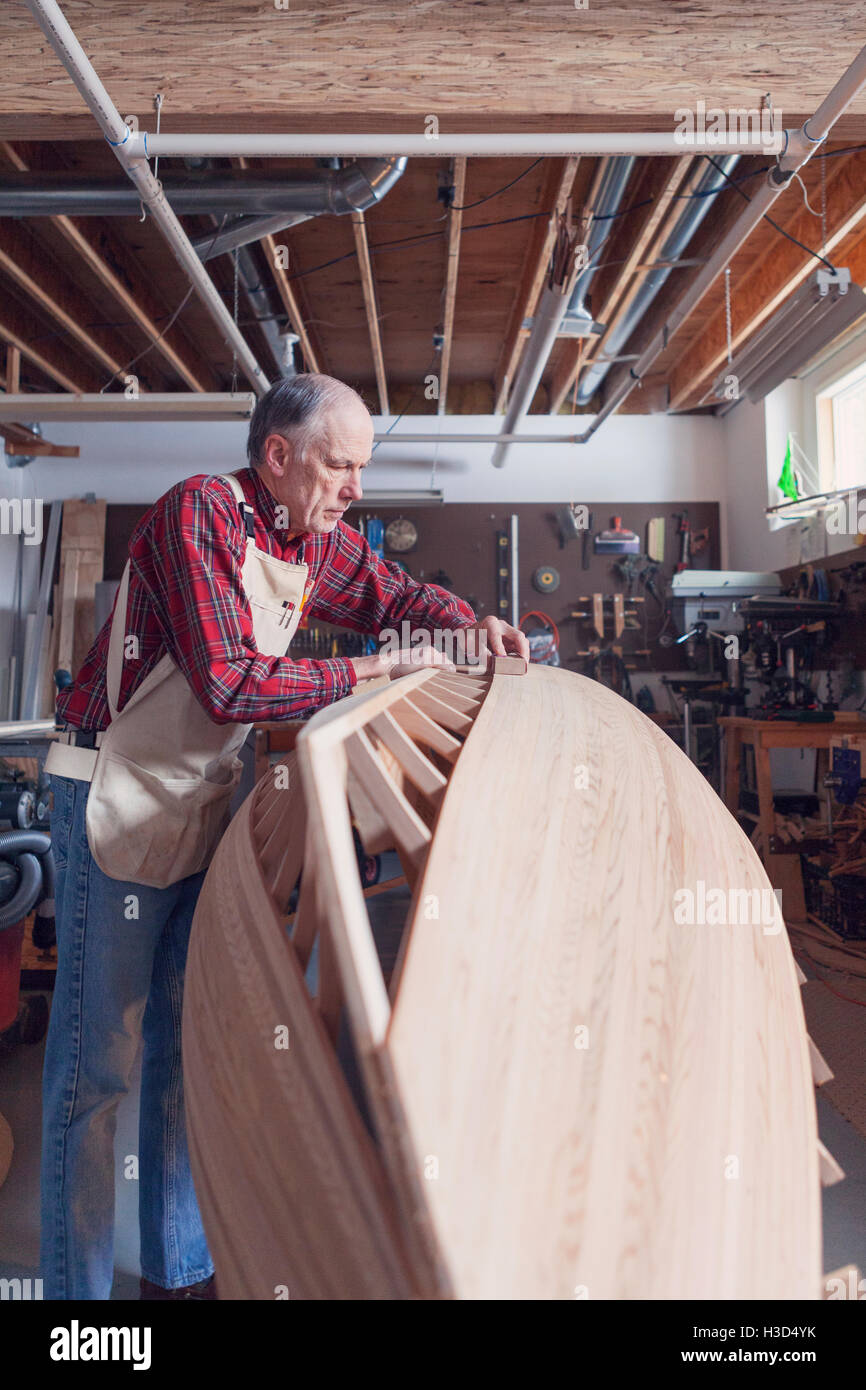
[
  {"x": 683, "y": 230},
  {"x": 254, "y": 192},
  {"x": 800, "y": 145},
  {"x": 59, "y": 34},
  {"x": 355, "y": 189},
  {"x": 608, "y": 187},
  {"x": 610, "y": 191},
  {"x": 260, "y": 298},
  {"x": 244, "y": 230}
]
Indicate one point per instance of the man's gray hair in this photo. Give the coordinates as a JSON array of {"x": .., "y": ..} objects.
[{"x": 295, "y": 407}]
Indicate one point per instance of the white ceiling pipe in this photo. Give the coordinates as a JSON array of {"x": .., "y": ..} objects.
[
  {"x": 59, "y": 34},
  {"x": 144, "y": 145},
  {"x": 429, "y": 437},
  {"x": 800, "y": 145}
]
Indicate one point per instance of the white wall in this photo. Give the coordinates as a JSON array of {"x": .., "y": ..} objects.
[
  {"x": 631, "y": 458},
  {"x": 751, "y": 544}
]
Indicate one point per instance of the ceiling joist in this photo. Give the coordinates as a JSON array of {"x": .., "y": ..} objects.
[
  {"x": 763, "y": 285},
  {"x": 455, "y": 223},
  {"x": 368, "y": 288}
]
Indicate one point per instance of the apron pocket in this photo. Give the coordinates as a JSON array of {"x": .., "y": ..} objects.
[{"x": 153, "y": 830}]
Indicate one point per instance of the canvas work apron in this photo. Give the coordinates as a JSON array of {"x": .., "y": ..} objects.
[{"x": 163, "y": 773}]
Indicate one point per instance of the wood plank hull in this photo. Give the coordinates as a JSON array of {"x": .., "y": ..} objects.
[{"x": 591, "y": 1075}]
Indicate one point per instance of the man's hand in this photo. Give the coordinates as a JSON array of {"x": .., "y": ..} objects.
[
  {"x": 501, "y": 639},
  {"x": 400, "y": 663},
  {"x": 404, "y": 662}
]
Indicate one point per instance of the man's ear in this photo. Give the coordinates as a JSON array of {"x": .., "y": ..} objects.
[{"x": 276, "y": 454}]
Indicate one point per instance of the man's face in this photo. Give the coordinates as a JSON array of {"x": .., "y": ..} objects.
[{"x": 319, "y": 488}]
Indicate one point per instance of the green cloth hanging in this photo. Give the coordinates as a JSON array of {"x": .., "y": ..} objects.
[{"x": 787, "y": 483}]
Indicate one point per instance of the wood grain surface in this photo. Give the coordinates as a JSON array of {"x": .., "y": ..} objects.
[
  {"x": 674, "y": 1156},
  {"x": 572, "y": 1091},
  {"x": 234, "y": 65}
]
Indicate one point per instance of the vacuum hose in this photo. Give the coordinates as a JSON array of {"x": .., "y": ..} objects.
[{"x": 31, "y": 849}]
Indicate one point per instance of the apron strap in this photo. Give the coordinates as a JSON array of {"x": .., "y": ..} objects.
[
  {"x": 114, "y": 664},
  {"x": 247, "y": 512}
]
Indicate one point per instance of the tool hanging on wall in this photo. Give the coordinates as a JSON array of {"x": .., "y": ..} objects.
[
  {"x": 375, "y": 532},
  {"x": 684, "y": 531},
  {"x": 618, "y": 540},
  {"x": 545, "y": 579},
  {"x": 543, "y": 641},
  {"x": 503, "y": 575},
  {"x": 620, "y": 609},
  {"x": 376, "y": 535},
  {"x": 638, "y": 569},
  {"x": 584, "y": 542},
  {"x": 655, "y": 539}
]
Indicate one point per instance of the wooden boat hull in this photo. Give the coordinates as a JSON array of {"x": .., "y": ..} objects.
[{"x": 584, "y": 1082}]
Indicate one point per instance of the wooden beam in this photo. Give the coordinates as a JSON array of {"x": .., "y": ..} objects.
[
  {"x": 369, "y": 290},
  {"x": 763, "y": 285},
  {"x": 375, "y": 66},
  {"x": 560, "y": 180},
  {"x": 13, "y": 369},
  {"x": 578, "y": 354},
  {"x": 82, "y": 246},
  {"x": 16, "y": 330},
  {"x": 455, "y": 223},
  {"x": 67, "y": 307},
  {"x": 21, "y": 440}
]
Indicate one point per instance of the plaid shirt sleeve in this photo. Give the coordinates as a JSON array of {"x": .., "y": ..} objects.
[
  {"x": 359, "y": 590},
  {"x": 188, "y": 558}
]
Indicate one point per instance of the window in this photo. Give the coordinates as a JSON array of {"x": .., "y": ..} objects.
[{"x": 841, "y": 423}]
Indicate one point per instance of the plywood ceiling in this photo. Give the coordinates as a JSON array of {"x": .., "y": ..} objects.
[
  {"x": 83, "y": 297},
  {"x": 265, "y": 68}
]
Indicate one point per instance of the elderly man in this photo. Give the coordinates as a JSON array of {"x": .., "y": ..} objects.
[{"x": 219, "y": 572}]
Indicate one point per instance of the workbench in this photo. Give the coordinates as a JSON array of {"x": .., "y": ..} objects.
[{"x": 762, "y": 735}]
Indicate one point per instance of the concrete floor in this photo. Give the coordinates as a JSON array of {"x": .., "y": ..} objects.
[{"x": 20, "y": 1083}]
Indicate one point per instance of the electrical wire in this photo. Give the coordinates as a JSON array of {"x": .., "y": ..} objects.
[
  {"x": 477, "y": 204},
  {"x": 123, "y": 370},
  {"x": 806, "y": 197},
  {"x": 405, "y": 409},
  {"x": 767, "y": 218}
]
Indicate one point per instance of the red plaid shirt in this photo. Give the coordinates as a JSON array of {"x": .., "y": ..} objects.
[{"x": 186, "y": 598}]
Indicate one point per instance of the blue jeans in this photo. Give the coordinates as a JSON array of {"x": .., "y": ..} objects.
[{"x": 121, "y": 952}]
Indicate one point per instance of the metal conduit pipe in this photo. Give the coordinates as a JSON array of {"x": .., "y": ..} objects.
[
  {"x": 554, "y": 301},
  {"x": 62, "y": 39},
  {"x": 263, "y": 307},
  {"x": 609, "y": 198},
  {"x": 683, "y": 230},
  {"x": 252, "y": 192},
  {"x": 800, "y": 145},
  {"x": 352, "y": 189}
]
